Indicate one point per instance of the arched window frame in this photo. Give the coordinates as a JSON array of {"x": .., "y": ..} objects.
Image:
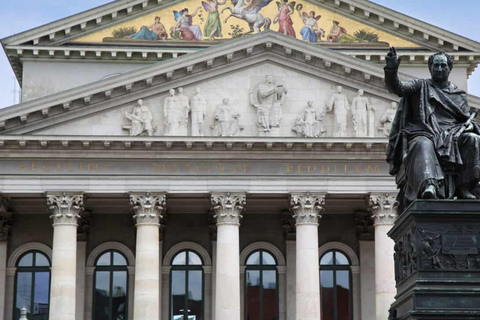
[
  {"x": 187, "y": 267},
  {"x": 33, "y": 270},
  {"x": 111, "y": 268},
  {"x": 336, "y": 268},
  {"x": 261, "y": 267}
]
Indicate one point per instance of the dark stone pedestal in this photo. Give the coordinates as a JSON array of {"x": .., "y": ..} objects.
[{"x": 437, "y": 260}]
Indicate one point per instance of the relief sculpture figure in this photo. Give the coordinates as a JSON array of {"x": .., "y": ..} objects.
[
  {"x": 434, "y": 146},
  {"x": 339, "y": 105},
  {"x": 268, "y": 98},
  {"x": 173, "y": 114},
  {"x": 141, "y": 120},
  {"x": 387, "y": 119},
  {"x": 184, "y": 106},
  {"x": 309, "y": 122},
  {"x": 198, "y": 105},
  {"x": 226, "y": 121},
  {"x": 359, "y": 112}
]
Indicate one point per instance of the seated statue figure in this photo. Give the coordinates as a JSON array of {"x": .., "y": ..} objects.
[{"x": 434, "y": 146}]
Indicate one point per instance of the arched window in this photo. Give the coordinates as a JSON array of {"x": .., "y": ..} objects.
[
  {"x": 261, "y": 286},
  {"x": 110, "y": 301},
  {"x": 336, "y": 288},
  {"x": 186, "y": 286},
  {"x": 32, "y": 285}
]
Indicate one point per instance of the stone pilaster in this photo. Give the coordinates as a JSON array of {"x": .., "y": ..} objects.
[
  {"x": 227, "y": 209},
  {"x": 383, "y": 207},
  {"x": 148, "y": 211},
  {"x": 5, "y": 226},
  {"x": 65, "y": 209},
  {"x": 307, "y": 208}
]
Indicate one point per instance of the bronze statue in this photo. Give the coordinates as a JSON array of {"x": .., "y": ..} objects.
[{"x": 434, "y": 145}]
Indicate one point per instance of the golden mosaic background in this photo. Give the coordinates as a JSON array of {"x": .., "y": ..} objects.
[{"x": 168, "y": 20}]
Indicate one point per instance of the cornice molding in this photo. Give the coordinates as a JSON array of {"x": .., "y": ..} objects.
[{"x": 175, "y": 144}]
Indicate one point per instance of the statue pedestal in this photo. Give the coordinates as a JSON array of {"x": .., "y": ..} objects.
[{"x": 437, "y": 260}]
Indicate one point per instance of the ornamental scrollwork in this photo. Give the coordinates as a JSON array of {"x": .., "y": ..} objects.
[
  {"x": 227, "y": 207},
  {"x": 65, "y": 207},
  {"x": 307, "y": 207},
  {"x": 148, "y": 208},
  {"x": 383, "y": 208}
]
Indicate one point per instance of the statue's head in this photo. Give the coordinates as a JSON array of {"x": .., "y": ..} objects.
[
  {"x": 157, "y": 19},
  {"x": 310, "y": 103},
  {"x": 198, "y": 90},
  {"x": 339, "y": 89},
  {"x": 393, "y": 105},
  {"x": 226, "y": 101},
  {"x": 269, "y": 78},
  {"x": 180, "y": 90},
  {"x": 440, "y": 65},
  {"x": 360, "y": 92},
  {"x": 140, "y": 102},
  {"x": 172, "y": 92}
]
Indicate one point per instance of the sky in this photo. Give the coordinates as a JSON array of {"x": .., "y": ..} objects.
[{"x": 21, "y": 15}]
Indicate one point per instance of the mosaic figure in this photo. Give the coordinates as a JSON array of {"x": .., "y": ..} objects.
[
  {"x": 283, "y": 18},
  {"x": 156, "y": 31},
  {"x": 184, "y": 25},
  {"x": 310, "y": 32},
  {"x": 213, "y": 25}
]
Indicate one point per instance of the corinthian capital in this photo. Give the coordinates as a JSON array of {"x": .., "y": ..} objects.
[
  {"x": 148, "y": 207},
  {"x": 227, "y": 207},
  {"x": 307, "y": 207},
  {"x": 65, "y": 207},
  {"x": 383, "y": 207}
]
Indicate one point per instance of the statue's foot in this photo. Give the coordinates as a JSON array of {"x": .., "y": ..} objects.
[
  {"x": 464, "y": 193},
  {"x": 430, "y": 192}
]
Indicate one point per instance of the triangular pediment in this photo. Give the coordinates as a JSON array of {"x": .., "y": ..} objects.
[
  {"x": 228, "y": 70},
  {"x": 99, "y": 24}
]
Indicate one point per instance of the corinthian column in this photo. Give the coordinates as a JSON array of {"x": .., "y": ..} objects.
[
  {"x": 383, "y": 207},
  {"x": 65, "y": 208},
  {"x": 307, "y": 208},
  {"x": 5, "y": 224},
  {"x": 227, "y": 208},
  {"x": 148, "y": 209}
]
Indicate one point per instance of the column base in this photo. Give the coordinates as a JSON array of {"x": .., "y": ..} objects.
[{"x": 437, "y": 260}]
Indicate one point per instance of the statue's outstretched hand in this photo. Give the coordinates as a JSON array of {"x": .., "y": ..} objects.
[{"x": 393, "y": 61}]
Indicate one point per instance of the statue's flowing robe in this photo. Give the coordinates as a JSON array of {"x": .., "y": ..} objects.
[{"x": 422, "y": 146}]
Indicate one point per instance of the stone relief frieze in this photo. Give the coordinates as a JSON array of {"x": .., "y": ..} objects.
[
  {"x": 309, "y": 122},
  {"x": 259, "y": 105}
]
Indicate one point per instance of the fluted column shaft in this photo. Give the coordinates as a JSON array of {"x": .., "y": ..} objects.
[
  {"x": 65, "y": 209},
  {"x": 307, "y": 208},
  {"x": 384, "y": 213},
  {"x": 227, "y": 209},
  {"x": 148, "y": 209}
]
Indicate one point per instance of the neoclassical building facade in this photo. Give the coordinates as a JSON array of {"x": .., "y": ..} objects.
[{"x": 164, "y": 163}]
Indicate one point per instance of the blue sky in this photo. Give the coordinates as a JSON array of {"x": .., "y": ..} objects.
[{"x": 20, "y": 15}]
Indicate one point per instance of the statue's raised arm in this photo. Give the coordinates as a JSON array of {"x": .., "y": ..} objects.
[{"x": 392, "y": 82}]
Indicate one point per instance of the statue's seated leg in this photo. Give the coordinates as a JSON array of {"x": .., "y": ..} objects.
[
  {"x": 469, "y": 173},
  {"x": 423, "y": 170}
]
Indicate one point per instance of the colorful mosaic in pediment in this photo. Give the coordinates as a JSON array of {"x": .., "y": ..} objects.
[{"x": 213, "y": 20}]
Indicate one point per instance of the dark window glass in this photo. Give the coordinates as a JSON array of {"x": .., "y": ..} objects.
[
  {"x": 335, "y": 285},
  {"x": 186, "y": 291},
  {"x": 111, "y": 287},
  {"x": 261, "y": 287},
  {"x": 32, "y": 286}
]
